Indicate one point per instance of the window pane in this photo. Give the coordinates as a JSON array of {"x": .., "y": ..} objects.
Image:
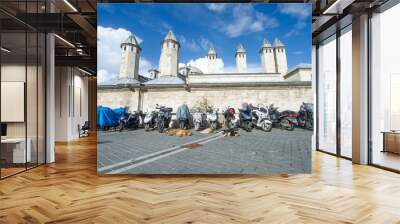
[
  {"x": 327, "y": 95},
  {"x": 385, "y": 84},
  {"x": 31, "y": 97},
  {"x": 346, "y": 92},
  {"x": 13, "y": 86}
]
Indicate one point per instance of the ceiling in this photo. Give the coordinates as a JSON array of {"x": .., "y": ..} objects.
[{"x": 75, "y": 22}]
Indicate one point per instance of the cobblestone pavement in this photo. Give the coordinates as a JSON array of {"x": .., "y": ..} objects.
[{"x": 256, "y": 152}]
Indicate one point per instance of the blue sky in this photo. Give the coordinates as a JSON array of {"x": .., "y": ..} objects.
[{"x": 200, "y": 26}]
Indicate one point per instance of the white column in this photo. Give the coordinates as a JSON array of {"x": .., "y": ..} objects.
[
  {"x": 50, "y": 98},
  {"x": 314, "y": 90},
  {"x": 360, "y": 90}
]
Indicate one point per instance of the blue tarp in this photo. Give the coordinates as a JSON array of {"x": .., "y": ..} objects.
[
  {"x": 183, "y": 112},
  {"x": 106, "y": 117},
  {"x": 120, "y": 111}
]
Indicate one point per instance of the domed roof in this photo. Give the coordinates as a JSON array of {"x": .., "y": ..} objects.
[
  {"x": 212, "y": 51},
  {"x": 192, "y": 70},
  {"x": 131, "y": 40},
  {"x": 266, "y": 43},
  {"x": 278, "y": 43},
  {"x": 240, "y": 49},
  {"x": 170, "y": 36}
]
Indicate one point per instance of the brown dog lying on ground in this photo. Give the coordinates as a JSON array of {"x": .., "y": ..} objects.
[{"x": 178, "y": 132}]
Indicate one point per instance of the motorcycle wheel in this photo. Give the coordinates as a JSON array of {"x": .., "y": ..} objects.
[
  {"x": 290, "y": 127},
  {"x": 147, "y": 127},
  {"x": 196, "y": 126},
  {"x": 181, "y": 124},
  {"x": 161, "y": 126},
  {"x": 250, "y": 126},
  {"x": 213, "y": 125},
  {"x": 121, "y": 126},
  {"x": 309, "y": 125},
  {"x": 266, "y": 127},
  {"x": 247, "y": 126}
]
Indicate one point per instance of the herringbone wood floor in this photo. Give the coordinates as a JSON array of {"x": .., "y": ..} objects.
[{"x": 70, "y": 191}]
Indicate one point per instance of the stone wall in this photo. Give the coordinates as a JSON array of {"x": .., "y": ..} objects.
[
  {"x": 285, "y": 97},
  {"x": 115, "y": 98}
]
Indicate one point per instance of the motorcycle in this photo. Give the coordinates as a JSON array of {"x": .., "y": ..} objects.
[
  {"x": 199, "y": 119},
  {"x": 230, "y": 121},
  {"x": 164, "y": 118},
  {"x": 245, "y": 117},
  {"x": 212, "y": 118},
  {"x": 285, "y": 119},
  {"x": 130, "y": 120},
  {"x": 306, "y": 118},
  {"x": 261, "y": 118},
  {"x": 150, "y": 120},
  {"x": 183, "y": 116}
]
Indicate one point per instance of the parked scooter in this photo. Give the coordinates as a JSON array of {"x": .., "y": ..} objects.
[
  {"x": 306, "y": 116},
  {"x": 199, "y": 119},
  {"x": 245, "y": 117},
  {"x": 285, "y": 119},
  {"x": 212, "y": 118},
  {"x": 230, "y": 121},
  {"x": 150, "y": 120},
  {"x": 261, "y": 118},
  {"x": 130, "y": 120},
  {"x": 183, "y": 116},
  {"x": 164, "y": 118}
]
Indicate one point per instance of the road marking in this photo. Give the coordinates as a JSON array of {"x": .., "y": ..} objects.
[
  {"x": 155, "y": 158},
  {"x": 105, "y": 169}
]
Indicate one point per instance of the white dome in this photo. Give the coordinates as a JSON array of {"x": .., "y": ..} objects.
[{"x": 192, "y": 70}]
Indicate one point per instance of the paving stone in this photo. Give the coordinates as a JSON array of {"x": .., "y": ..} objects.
[{"x": 255, "y": 152}]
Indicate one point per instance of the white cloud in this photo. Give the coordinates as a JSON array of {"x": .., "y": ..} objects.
[
  {"x": 103, "y": 75},
  {"x": 300, "y": 11},
  {"x": 205, "y": 43},
  {"x": 216, "y": 7},
  {"x": 189, "y": 44},
  {"x": 200, "y": 44},
  {"x": 247, "y": 20},
  {"x": 144, "y": 66},
  {"x": 253, "y": 67},
  {"x": 109, "y": 52},
  {"x": 202, "y": 64}
]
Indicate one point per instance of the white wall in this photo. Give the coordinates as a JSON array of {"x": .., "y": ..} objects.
[{"x": 71, "y": 102}]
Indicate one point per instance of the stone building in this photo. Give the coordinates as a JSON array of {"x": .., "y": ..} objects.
[{"x": 171, "y": 85}]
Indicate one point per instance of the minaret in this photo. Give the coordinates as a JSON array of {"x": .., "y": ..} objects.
[
  {"x": 241, "y": 64},
  {"x": 169, "y": 56},
  {"x": 280, "y": 57},
  {"x": 267, "y": 57},
  {"x": 211, "y": 58},
  {"x": 130, "y": 58}
]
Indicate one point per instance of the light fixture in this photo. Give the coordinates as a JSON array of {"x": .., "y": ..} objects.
[
  {"x": 70, "y": 5},
  {"x": 5, "y": 50},
  {"x": 64, "y": 40},
  {"x": 84, "y": 71},
  {"x": 337, "y": 7}
]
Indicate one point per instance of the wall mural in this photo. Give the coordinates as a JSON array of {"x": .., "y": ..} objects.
[{"x": 204, "y": 88}]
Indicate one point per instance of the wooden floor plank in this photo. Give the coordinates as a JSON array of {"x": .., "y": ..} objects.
[{"x": 70, "y": 191}]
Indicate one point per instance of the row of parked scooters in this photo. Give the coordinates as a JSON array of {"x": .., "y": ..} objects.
[{"x": 262, "y": 117}]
